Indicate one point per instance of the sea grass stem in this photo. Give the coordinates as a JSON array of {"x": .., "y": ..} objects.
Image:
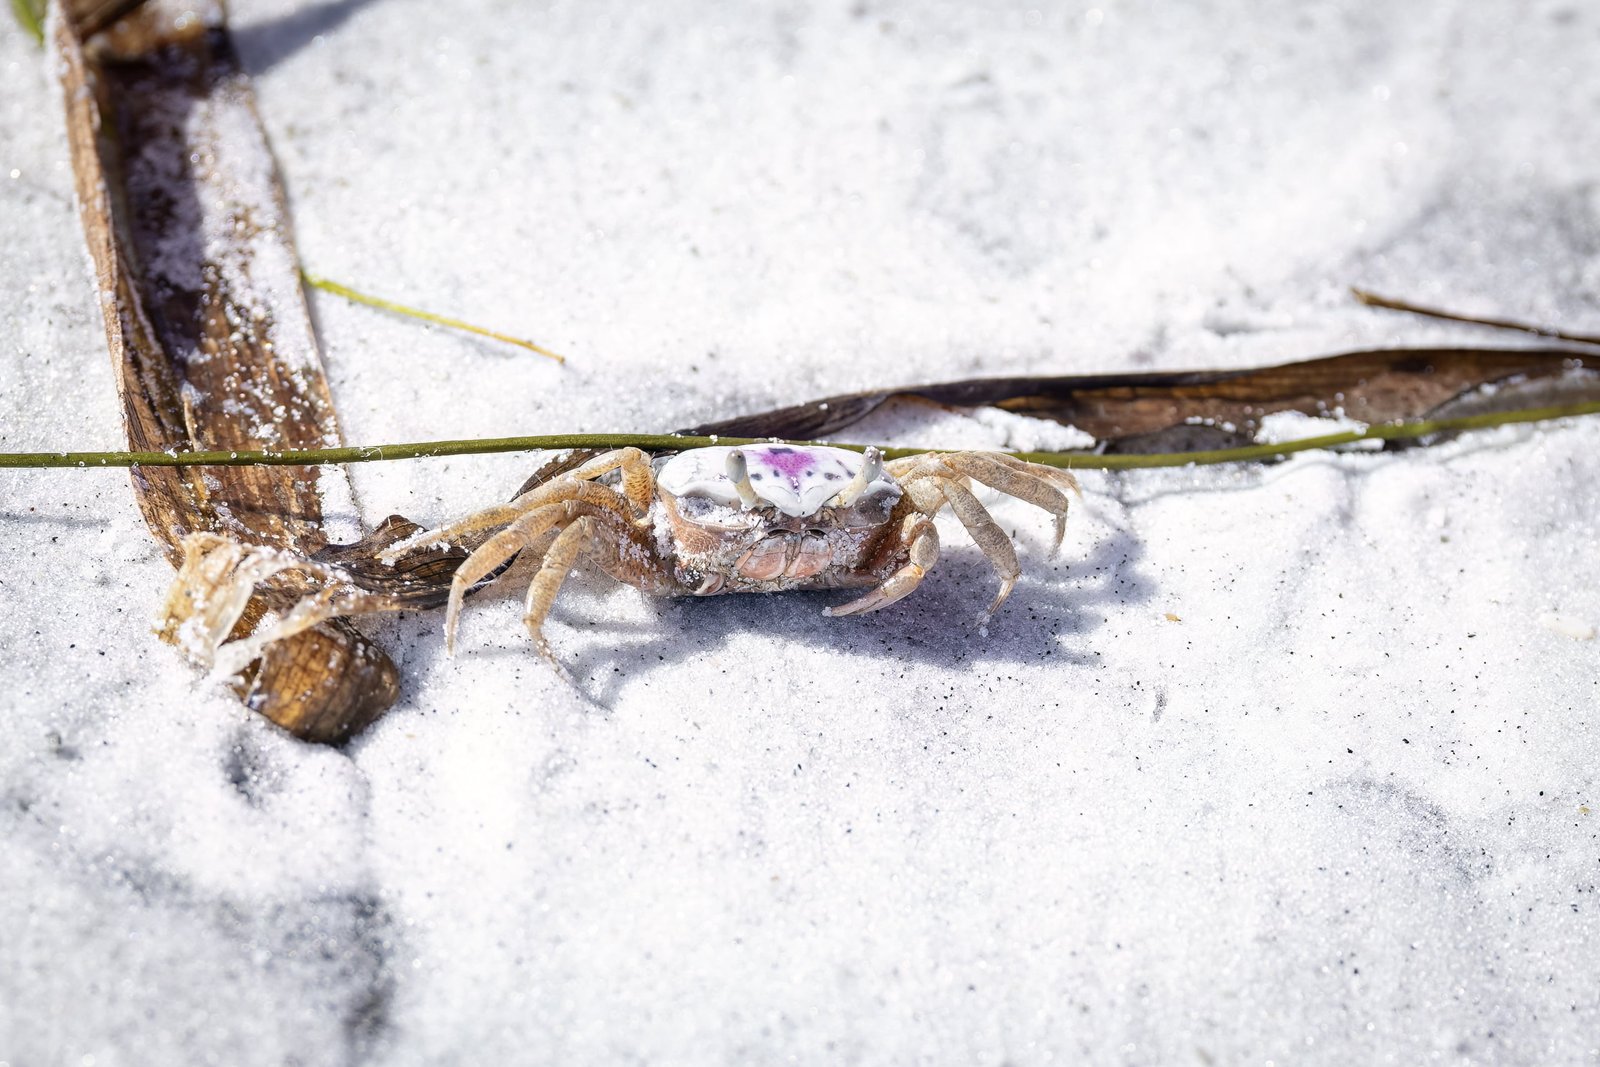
[
  {"x": 1395, "y": 431},
  {"x": 316, "y": 281}
]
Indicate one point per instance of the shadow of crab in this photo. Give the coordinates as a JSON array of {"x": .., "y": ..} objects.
[{"x": 1056, "y": 605}]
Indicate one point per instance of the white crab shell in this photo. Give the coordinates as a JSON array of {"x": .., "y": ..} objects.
[{"x": 796, "y": 479}]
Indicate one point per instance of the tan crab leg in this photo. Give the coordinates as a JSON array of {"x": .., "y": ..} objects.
[
  {"x": 1060, "y": 477},
  {"x": 638, "y": 481},
  {"x": 923, "y": 464},
  {"x": 1019, "y": 482},
  {"x": 989, "y": 537},
  {"x": 557, "y": 491},
  {"x": 552, "y": 574},
  {"x": 638, "y": 489},
  {"x": 1061, "y": 474},
  {"x": 917, "y": 531},
  {"x": 495, "y": 551}
]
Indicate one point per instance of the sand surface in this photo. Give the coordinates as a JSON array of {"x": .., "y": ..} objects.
[{"x": 1271, "y": 764}]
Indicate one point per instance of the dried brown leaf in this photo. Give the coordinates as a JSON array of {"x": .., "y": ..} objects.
[{"x": 185, "y": 219}]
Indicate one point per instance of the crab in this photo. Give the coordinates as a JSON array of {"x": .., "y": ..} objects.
[{"x": 760, "y": 518}]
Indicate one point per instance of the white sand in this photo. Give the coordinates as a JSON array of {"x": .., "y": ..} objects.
[{"x": 1287, "y": 764}]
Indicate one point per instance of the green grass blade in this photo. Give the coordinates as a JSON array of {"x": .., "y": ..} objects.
[
  {"x": 329, "y": 286},
  {"x": 1395, "y": 431}
]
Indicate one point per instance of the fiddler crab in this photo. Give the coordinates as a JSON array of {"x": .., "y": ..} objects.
[{"x": 760, "y": 518}]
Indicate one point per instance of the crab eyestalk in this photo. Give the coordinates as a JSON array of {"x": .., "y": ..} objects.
[
  {"x": 739, "y": 475},
  {"x": 871, "y": 470}
]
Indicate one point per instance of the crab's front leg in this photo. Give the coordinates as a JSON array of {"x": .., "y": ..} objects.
[
  {"x": 638, "y": 489},
  {"x": 920, "y": 540}
]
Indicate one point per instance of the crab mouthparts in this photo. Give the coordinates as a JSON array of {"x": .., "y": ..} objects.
[{"x": 789, "y": 554}]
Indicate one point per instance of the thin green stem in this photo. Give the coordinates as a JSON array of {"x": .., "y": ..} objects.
[
  {"x": 1394, "y": 431},
  {"x": 318, "y": 282}
]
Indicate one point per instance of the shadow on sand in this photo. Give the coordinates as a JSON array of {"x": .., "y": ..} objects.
[{"x": 1051, "y": 615}]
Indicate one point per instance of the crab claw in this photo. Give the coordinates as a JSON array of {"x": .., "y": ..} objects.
[
  {"x": 739, "y": 475},
  {"x": 871, "y": 470}
]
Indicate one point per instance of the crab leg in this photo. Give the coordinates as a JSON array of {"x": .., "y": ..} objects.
[
  {"x": 501, "y": 547},
  {"x": 1018, "y": 481},
  {"x": 989, "y": 537},
  {"x": 558, "y": 491},
  {"x": 489, "y": 555},
  {"x": 638, "y": 482},
  {"x": 917, "y": 531},
  {"x": 1057, "y": 476},
  {"x": 331, "y": 603},
  {"x": 552, "y": 574}
]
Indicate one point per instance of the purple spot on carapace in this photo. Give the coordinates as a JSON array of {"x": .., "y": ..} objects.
[{"x": 792, "y": 463}]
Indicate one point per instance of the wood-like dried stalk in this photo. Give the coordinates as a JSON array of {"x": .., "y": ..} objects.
[{"x": 184, "y": 216}]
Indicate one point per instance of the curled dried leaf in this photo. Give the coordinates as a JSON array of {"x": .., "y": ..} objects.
[
  {"x": 277, "y": 661},
  {"x": 184, "y": 215}
]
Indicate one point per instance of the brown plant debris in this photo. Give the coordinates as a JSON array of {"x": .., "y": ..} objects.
[{"x": 209, "y": 334}]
